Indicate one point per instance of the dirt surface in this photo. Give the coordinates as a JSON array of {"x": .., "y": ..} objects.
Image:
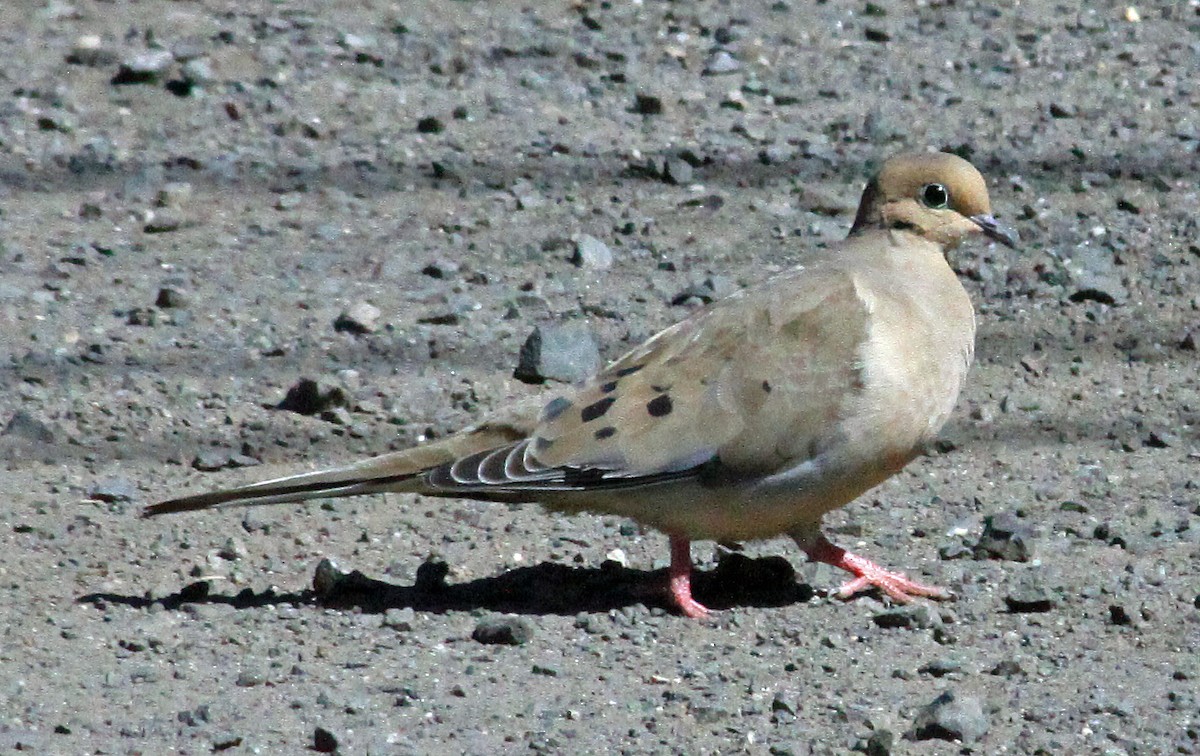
[{"x": 192, "y": 198}]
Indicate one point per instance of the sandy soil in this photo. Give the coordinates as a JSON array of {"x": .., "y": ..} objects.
[{"x": 192, "y": 193}]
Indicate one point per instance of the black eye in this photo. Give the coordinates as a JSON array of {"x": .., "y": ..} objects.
[{"x": 935, "y": 196}]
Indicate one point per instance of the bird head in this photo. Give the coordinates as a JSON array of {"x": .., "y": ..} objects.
[{"x": 938, "y": 196}]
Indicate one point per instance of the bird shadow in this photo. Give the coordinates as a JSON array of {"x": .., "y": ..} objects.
[{"x": 542, "y": 589}]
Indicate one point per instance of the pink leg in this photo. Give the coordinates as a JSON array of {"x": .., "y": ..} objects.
[
  {"x": 680, "y": 575},
  {"x": 867, "y": 573}
]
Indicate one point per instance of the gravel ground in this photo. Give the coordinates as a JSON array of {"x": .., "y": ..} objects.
[{"x": 203, "y": 204}]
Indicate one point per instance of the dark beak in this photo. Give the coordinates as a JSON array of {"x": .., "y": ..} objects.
[{"x": 993, "y": 230}]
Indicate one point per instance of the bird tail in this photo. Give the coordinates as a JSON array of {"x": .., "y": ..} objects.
[
  {"x": 401, "y": 471},
  {"x": 375, "y": 475}
]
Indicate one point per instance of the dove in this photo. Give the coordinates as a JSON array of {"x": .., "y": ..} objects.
[{"x": 751, "y": 418}]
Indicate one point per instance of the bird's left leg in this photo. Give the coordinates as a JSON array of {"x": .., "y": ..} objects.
[{"x": 866, "y": 573}]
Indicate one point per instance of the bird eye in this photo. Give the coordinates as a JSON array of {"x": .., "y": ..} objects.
[{"x": 935, "y": 196}]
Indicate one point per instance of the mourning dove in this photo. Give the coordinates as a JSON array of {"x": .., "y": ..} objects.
[{"x": 751, "y": 418}]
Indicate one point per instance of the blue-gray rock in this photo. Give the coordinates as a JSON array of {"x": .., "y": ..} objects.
[
  {"x": 25, "y": 426},
  {"x": 1004, "y": 537},
  {"x": 951, "y": 717},
  {"x": 1094, "y": 276},
  {"x": 592, "y": 253},
  {"x": 566, "y": 353}
]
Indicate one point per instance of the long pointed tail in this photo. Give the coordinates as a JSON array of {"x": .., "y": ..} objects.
[
  {"x": 352, "y": 480},
  {"x": 395, "y": 472}
]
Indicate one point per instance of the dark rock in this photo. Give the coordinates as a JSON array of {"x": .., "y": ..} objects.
[
  {"x": 566, "y": 353},
  {"x": 1004, "y": 537},
  {"x": 510, "y": 631},
  {"x": 25, "y": 426},
  {"x": 876, "y": 34},
  {"x": 647, "y": 104},
  {"x": 170, "y": 297},
  {"x": 430, "y": 125},
  {"x": 324, "y": 741},
  {"x": 951, "y": 717},
  {"x": 880, "y": 743},
  {"x": 1118, "y": 616},
  {"x": 308, "y": 397}
]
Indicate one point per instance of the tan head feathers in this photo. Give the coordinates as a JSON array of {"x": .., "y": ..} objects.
[{"x": 935, "y": 195}]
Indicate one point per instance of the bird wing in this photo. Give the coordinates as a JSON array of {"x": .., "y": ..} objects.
[{"x": 756, "y": 383}]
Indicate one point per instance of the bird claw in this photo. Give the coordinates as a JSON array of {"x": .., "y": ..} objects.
[
  {"x": 867, "y": 574},
  {"x": 898, "y": 588}
]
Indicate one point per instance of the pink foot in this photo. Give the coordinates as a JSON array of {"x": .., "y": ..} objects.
[
  {"x": 868, "y": 574},
  {"x": 680, "y": 578}
]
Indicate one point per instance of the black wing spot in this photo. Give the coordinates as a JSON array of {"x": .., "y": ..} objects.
[
  {"x": 608, "y": 388},
  {"x": 596, "y": 409},
  {"x": 628, "y": 371},
  {"x": 658, "y": 387},
  {"x": 606, "y": 432},
  {"x": 541, "y": 444},
  {"x": 555, "y": 408},
  {"x": 767, "y": 386},
  {"x": 660, "y": 406}
]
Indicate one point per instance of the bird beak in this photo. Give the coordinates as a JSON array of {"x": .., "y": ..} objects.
[{"x": 993, "y": 230}]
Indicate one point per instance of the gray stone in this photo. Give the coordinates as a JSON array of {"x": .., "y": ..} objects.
[
  {"x": 721, "y": 62},
  {"x": 145, "y": 67},
  {"x": 592, "y": 253},
  {"x": 25, "y": 426},
  {"x": 1094, "y": 276},
  {"x": 399, "y": 619},
  {"x": 360, "y": 318},
  {"x": 112, "y": 489},
  {"x": 951, "y": 717},
  {"x": 567, "y": 353},
  {"x": 1004, "y": 537},
  {"x": 677, "y": 171},
  {"x": 1029, "y": 596},
  {"x": 89, "y": 50}
]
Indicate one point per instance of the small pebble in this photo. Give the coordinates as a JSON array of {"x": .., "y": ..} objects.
[
  {"x": 324, "y": 741},
  {"x": 510, "y": 631},
  {"x": 359, "y": 318}
]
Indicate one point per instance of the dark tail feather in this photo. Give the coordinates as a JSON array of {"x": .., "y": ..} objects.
[{"x": 316, "y": 485}]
